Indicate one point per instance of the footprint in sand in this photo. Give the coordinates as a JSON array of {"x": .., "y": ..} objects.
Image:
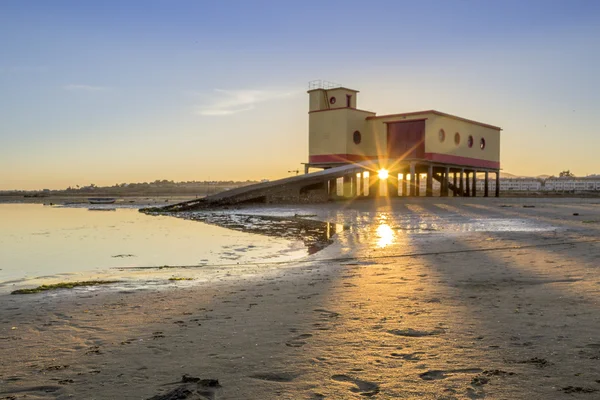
[
  {"x": 433, "y": 375},
  {"x": 409, "y": 332},
  {"x": 297, "y": 341},
  {"x": 364, "y": 388},
  {"x": 275, "y": 376},
  {"x": 327, "y": 313},
  {"x": 407, "y": 356}
]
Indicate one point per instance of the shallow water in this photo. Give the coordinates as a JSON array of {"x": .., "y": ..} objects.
[{"x": 38, "y": 241}]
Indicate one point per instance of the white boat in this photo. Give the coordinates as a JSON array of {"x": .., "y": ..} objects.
[{"x": 102, "y": 200}]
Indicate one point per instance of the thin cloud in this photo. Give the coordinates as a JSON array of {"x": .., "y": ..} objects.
[
  {"x": 86, "y": 88},
  {"x": 230, "y": 102}
]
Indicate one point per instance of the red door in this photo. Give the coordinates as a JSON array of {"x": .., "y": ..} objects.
[{"x": 406, "y": 139}]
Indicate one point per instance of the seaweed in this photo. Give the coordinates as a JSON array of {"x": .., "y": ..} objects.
[{"x": 62, "y": 285}]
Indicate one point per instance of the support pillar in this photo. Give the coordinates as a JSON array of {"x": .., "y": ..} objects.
[
  {"x": 417, "y": 184},
  {"x": 306, "y": 167},
  {"x": 497, "y": 183},
  {"x": 413, "y": 167},
  {"x": 468, "y": 184},
  {"x": 454, "y": 184},
  {"x": 392, "y": 184},
  {"x": 429, "y": 188},
  {"x": 475, "y": 183},
  {"x": 333, "y": 188},
  {"x": 486, "y": 184},
  {"x": 373, "y": 184},
  {"x": 462, "y": 182},
  {"x": 404, "y": 183},
  {"x": 347, "y": 185},
  {"x": 445, "y": 181}
]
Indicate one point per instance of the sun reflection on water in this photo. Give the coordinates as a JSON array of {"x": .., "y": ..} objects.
[{"x": 385, "y": 234}]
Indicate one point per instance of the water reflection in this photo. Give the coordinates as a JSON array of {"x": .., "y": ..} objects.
[
  {"x": 41, "y": 241},
  {"x": 385, "y": 235},
  {"x": 315, "y": 235}
]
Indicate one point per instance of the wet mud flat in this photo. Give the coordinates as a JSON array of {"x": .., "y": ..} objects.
[
  {"x": 315, "y": 234},
  {"x": 450, "y": 320}
]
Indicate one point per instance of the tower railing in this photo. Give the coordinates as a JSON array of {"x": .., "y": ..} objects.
[{"x": 321, "y": 84}]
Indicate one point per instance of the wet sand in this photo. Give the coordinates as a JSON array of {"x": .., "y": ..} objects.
[{"x": 423, "y": 298}]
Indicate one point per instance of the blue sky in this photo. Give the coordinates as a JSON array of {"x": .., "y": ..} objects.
[{"x": 122, "y": 91}]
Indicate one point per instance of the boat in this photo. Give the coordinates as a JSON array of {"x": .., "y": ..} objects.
[{"x": 102, "y": 200}]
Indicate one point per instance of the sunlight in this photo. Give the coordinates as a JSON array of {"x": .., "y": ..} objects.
[
  {"x": 383, "y": 173},
  {"x": 385, "y": 234}
]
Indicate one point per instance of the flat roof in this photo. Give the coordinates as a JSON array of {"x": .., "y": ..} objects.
[
  {"x": 336, "y": 88},
  {"x": 437, "y": 113}
]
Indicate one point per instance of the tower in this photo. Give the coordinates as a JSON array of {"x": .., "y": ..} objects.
[{"x": 337, "y": 130}]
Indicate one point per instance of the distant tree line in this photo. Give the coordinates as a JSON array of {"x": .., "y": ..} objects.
[{"x": 158, "y": 187}]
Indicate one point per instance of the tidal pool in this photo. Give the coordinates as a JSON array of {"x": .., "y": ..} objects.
[{"x": 44, "y": 241}]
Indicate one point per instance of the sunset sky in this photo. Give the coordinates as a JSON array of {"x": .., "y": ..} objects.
[{"x": 106, "y": 92}]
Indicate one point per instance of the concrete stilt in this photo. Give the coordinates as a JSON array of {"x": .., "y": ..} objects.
[
  {"x": 347, "y": 185},
  {"x": 445, "y": 182},
  {"x": 332, "y": 188},
  {"x": 392, "y": 184},
  {"x": 454, "y": 194},
  {"x": 417, "y": 184},
  {"x": 475, "y": 183},
  {"x": 429, "y": 189},
  {"x": 486, "y": 184},
  {"x": 413, "y": 167},
  {"x": 403, "y": 184},
  {"x": 373, "y": 184},
  {"x": 467, "y": 184},
  {"x": 497, "y": 183}
]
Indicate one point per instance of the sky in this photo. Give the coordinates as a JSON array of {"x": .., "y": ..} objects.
[{"x": 107, "y": 91}]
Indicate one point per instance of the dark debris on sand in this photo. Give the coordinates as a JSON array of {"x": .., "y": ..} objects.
[{"x": 191, "y": 388}]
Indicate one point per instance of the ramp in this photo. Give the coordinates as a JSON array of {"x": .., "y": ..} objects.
[{"x": 310, "y": 187}]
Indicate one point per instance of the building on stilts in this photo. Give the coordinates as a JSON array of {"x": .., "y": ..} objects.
[{"x": 409, "y": 147}]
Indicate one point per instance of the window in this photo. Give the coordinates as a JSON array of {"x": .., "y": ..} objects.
[
  {"x": 332, "y": 100},
  {"x": 470, "y": 141},
  {"x": 356, "y": 137},
  {"x": 441, "y": 135},
  {"x": 457, "y": 138},
  {"x": 482, "y": 144},
  {"x": 348, "y": 100}
]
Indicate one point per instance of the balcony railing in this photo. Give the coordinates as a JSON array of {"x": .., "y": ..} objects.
[{"x": 321, "y": 84}]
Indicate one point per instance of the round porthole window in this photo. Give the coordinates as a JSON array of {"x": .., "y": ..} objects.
[
  {"x": 482, "y": 144},
  {"x": 332, "y": 100},
  {"x": 356, "y": 137},
  {"x": 470, "y": 141},
  {"x": 457, "y": 138},
  {"x": 441, "y": 135}
]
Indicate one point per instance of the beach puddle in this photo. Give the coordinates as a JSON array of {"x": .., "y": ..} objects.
[
  {"x": 316, "y": 235},
  {"x": 63, "y": 244}
]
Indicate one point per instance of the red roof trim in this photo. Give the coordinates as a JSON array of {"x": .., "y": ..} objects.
[
  {"x": 339, "y": 158},
  {"x": 435, "y": 157},
  {"x": 458, "y": 160}
]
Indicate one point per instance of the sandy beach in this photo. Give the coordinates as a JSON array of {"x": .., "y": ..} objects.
[{"x": 421, "y": 298}]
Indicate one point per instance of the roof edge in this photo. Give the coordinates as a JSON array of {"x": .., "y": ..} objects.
[
  {"x": 437, "y": 113},
  {"x": 337, "y": 88}
]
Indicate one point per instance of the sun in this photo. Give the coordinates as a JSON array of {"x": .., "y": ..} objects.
[{"x": 383, "y": 173}]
